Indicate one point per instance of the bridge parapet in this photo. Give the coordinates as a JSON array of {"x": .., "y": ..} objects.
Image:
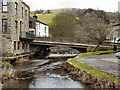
[
  {"x": 68, "y": 40},
  {"x": 76, "y": 43},
  {"x": 65, "y": 40}
]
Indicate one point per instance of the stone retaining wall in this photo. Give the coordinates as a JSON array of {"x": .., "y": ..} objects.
[{"x": 91, "y": 48}]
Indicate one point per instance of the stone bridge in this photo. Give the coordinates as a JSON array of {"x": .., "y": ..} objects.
[{"x": 41, "y": 45}]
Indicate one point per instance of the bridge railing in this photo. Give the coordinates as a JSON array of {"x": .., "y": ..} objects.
[{"x": 65, "y": 40}]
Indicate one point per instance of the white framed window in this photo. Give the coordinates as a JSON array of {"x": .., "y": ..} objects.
[
  {"x": 45, "y": 29},
  {"x": 4, "y": 25},
  {"x": 4, "y": 6},
  {"x": 16, "y": 7}
]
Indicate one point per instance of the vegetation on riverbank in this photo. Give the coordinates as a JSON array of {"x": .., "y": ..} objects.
[
  {"x": 0, "y": 85},
  {"x": 94, "y": 72},
  {"x": 7, "y": 71},
  {"x": 95, "y": 53},
  {"x": 7, "y": 68},
  {"x": 87, "y": 79}
]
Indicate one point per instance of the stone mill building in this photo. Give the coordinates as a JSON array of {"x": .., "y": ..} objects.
[{"x": 14, "y": 27}]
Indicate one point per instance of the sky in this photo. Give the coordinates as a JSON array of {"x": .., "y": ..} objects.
[{"x": 106, "y": 5}]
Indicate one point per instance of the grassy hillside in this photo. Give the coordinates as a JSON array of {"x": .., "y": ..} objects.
[{"x": 47, "y": 18}]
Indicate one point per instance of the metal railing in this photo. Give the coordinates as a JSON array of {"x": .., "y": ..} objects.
[
  {"x": 65, "y": 40},
  {"x": 70, "y": 40},
  {"x": 30, "y": 35},
  {"x": 27, "y": 35}
]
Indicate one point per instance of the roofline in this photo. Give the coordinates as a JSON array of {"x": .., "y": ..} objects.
[
  {"x": 41, "y": 22},
  {"x": 44, "y": 23},
  {"x": 25, "y": 4},
  {"x": 38, "y": 21}
]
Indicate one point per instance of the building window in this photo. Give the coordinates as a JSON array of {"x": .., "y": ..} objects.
[
  {"x": 18, "y": 45},
  {"x": 14, "y": 45},
  {"x": 26, "y": 46},
  {"x": 30, "y": 24},
  {"x": 16, "y": 6},
  {"x": 4, "y": 6},
  {"x": 45, "y": 30},
  {"x": 26, "y": 14},
  {"x": 22, "y": 12},
  {"x": 4, "y": 25},
  {"x": 22, "y": 45},
  {"x": 21, "y": 26},
  {"x": 16, "y": 23},
  {"x": 32, "y": 32}
]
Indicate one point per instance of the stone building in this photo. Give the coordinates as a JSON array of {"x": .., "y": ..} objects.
[
  {"x": 14, "y": 27},
  {"x": 32, "y": 25}
]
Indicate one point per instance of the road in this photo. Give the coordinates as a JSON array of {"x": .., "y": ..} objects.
[{"x": 106, "y": 63}]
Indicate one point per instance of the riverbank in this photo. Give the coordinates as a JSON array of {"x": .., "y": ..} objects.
[
  {"x": 16, "y": 57},
  {"x": 90, "y": 77},
  {"x": 7, "y": 68},
  {"x": 7, "y": 73},
  {"x": 0, "y": 85},
  {"x": 42, "y": 73}
]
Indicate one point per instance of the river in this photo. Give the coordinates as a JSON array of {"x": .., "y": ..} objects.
[{"x": 41, "y": 73}]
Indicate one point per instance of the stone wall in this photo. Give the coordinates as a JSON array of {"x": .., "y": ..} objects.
[
  {"x": 0, "y": 29},
  {"x": 11, "y": 35},
  {"x": 91, "y": 48}
]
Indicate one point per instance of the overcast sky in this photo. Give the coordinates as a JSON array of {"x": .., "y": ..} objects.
[{"x": 107, "y": 5}]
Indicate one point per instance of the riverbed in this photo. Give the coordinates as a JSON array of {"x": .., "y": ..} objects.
[{"x": 42, "y": 73}]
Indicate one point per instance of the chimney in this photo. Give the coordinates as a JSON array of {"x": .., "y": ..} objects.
[{"x": 35, "y": 16}]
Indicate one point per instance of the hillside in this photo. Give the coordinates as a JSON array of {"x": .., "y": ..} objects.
[
  {"x": 48, "y": 17},
  {"x": 45, "y": 18}
]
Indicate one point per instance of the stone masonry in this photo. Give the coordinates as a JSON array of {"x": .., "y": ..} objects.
[{"x": 12, "y": 41}]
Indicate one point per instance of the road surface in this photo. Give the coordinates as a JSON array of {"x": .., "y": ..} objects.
[{"x": 106, "y": 63}]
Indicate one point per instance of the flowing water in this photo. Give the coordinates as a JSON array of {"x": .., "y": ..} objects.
[{"x": 42, "y": 73}]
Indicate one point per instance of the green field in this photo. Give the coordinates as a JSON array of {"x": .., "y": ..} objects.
[{"x": 47, "y": 18}]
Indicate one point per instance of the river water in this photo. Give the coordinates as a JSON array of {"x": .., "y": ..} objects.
[{"x": 42, "y": 73}]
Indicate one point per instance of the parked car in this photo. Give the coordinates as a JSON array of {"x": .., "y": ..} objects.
[
  {"x": 117, "y": 40},
  {"x": 118, "y": 55}
]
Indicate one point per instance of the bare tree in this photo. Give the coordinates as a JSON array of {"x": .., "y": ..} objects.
[
  {"x": 63, "y": 25},
  {"x": 95, "y": 28}
]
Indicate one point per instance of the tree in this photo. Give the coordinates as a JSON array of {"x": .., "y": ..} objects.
[
  {"x": 95, "y": 28},
  {"x": 38, "y": 11},
  {"x": 49, "y": 11},
  {"x": 63, "y": 25}
]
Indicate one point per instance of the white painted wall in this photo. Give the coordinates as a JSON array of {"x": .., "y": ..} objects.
[
  {"x": 37, "y": 29},
  {"x": 32, "y": 31},
  {"x": 42, "y": 30}
]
